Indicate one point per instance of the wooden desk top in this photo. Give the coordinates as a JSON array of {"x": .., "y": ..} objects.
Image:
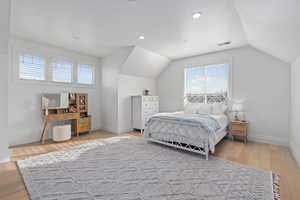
[{"x": 62, "y": 116}]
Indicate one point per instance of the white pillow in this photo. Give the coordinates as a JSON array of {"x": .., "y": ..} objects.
[
  {"x": 218, "y": 108},
  {"x": 204, "y": 109},
  {"x": 191, "y": 108}
]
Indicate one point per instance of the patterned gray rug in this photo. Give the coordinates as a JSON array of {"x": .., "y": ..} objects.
[{"x": 129, "y": 168}]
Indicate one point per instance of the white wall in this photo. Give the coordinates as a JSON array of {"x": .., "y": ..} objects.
[
  {"x": 262, "y": 81},
  {"x": 24, "y": 97},
  {"x": 130, "y": 86},
  {"x": 110, "y": 71},
  {"x": 4, "y": 34},
  {"x": 128, "y": 71},
  {"x": 5, "y": 6},
  {"x": 4, "y": 155},
  {"x": 295, "y": 110}
]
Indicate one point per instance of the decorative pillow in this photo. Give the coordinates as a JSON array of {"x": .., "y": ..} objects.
[
  {"x": 218, "y": 108},
  {"x": 195, "y": 98},
  {"x": 204, "y": 109},
  {"x": 191, "y": 108}
]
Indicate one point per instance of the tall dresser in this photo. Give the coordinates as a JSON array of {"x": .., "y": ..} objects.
[{"x": 143, "y": 107}]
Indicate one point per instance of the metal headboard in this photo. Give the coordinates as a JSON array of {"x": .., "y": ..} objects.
[{"x": 207, "y": 98}]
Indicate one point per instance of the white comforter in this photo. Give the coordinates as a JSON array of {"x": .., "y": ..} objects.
[{"x": 174, "y": 130}]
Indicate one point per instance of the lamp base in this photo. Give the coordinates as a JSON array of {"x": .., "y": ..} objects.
[{"x": 236, "y": 118}]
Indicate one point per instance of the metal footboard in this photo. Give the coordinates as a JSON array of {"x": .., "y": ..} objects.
[
  {"x": 167, "y": 132},
  {"x": 187, "y": 147}
]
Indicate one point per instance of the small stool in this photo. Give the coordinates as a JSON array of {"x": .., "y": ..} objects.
[{"x": 62, "y": 133}]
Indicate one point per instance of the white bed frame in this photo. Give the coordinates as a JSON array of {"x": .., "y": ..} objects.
[
  {"x": 186, "y": 147},
  {"x": 200, "y": 150}
]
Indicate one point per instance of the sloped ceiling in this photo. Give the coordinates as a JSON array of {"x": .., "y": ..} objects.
[
  {"x": 142, "y": 62},
  {"x": 272, "y": 26},
  {"x": 118, "y": 57},
  {"x": 134, "y": 61},
  {"x": 100, "y": 27}
]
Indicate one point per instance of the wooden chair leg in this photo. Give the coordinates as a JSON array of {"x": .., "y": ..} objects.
[{"x": 45, "y": 132}]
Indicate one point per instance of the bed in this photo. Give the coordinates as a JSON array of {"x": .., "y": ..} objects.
[{"x": 196, "y": 131}]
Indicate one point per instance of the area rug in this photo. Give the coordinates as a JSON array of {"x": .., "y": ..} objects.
[{"x": 130, "y": 168}]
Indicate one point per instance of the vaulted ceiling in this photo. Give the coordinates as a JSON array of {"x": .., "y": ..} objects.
[
  {"x": 145, "y": 63},
  {"x": 98, "y": 27},
  {"x": 272, "y": 26}
]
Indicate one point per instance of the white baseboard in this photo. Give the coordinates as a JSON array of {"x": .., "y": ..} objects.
[
  {"x": 125, "y": 131},
  {"x": 269, "y": 140},
  {"x": 295, "y": 149},
  {"x": 109, "y": 130},
  {"x": 5, "y": 159},
  {"x": 119, "y": 132}
]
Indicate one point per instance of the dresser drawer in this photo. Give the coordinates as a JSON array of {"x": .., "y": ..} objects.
[
  {"x": 143, "y": 108},
  {"x": 238, "y": 128},
  {"x": 150, "y": 104},
  {"x": 150, "y": 98},
  {"x": 84, "y": 124},
  {"x": 146, "y": 98},
  {"x": 238, "y": 132},
  {"x": 150, "y": 109}
]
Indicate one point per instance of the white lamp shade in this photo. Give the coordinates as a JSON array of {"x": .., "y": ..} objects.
[{"x": 237, "y": 107}]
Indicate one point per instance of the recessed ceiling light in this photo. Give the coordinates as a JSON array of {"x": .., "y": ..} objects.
[
  {"x": 224, "y": 43},
  {"x": 197, "y": 15},
  {"x": 132, "y": 2},
  {"x": 141, "y": 37},
  {"x": 76, "y": 37}
]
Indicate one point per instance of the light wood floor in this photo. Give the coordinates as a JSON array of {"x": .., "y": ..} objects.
[{"x": 264, "y": 156}]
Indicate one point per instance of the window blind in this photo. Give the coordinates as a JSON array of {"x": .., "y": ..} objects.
[
  {"x": 32, "y": 67},
  {"x": 85, "y": 74},
  {"x": 62, "y": 71}
]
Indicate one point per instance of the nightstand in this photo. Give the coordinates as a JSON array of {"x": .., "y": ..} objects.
[{"x": 239, "y": 128}]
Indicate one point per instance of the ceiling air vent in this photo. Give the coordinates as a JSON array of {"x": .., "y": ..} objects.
[{"x": 224, "y": 43}]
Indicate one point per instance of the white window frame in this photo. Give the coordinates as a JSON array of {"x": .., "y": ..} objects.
[
  {"x": 15, "y": 62},
  {"x": 15, "y": 68},
  {"x": 19, "y": 67},
  {"x": 94, "y": 73},
  {"x": 57, "y": 59},
  {"x": 228, "y": 61}
]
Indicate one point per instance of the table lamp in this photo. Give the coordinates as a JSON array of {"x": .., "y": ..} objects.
[{"x": 236, "y": 108}]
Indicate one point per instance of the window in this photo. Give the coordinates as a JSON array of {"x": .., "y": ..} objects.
[
  {"x": 211, "y": 82},
  {"x": 48, "y": 68},
  {"x": 62, "y": 71},
  {"x": 85, "y": 74},
  {"x": 31, "y": 67}
]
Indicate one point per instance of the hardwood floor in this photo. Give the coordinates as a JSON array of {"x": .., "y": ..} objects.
[{"x": 269, "y": 157}]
